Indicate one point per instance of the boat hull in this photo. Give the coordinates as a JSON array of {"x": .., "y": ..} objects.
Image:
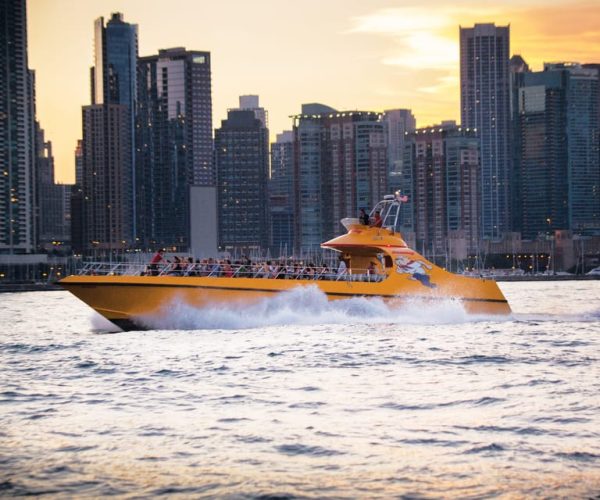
[{"x": 131, "y": 301}]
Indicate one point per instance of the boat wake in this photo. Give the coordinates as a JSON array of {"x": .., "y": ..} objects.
[{"x": 309, "y": 306}]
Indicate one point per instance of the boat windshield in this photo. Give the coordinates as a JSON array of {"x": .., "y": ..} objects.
[{"x": 389, "y": 210}]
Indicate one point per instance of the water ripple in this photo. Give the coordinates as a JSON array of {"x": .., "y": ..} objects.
[
  {"x": 301, "y": 449},
  {"x": 302, "y": 398}
]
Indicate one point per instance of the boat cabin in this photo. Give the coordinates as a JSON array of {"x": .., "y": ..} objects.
[{"x": 373, "y": 246}]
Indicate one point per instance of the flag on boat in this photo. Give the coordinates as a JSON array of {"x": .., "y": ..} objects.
[{"x": 402, "y": 198}]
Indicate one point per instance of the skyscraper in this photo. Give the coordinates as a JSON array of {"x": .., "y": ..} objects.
[
  {"x": 281, "y": 194},
  {"x": 398, "y": 123},
  {"x": 17, "y": 116},
  {"x": 174, "y": 143},
  {"x": 340, "y": 166},
  {"x": 54, "y": 230},
  {"x": 557, "y": 130},
  {"x": 485, "y": 107},
  {"x": 517, "y": 67},
  {"x": 77, "y": 241},
  {"x": 108, "y": 159},
  {"x": 115, "y": 55},
  {"x": 442, "y": 180},
  {"x": 250, "y": 103},
  {"x": 107, "y": 178},
  {"x": 242, "y": 164}
]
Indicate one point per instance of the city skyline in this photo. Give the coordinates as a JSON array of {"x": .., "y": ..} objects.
[{"x": 407, "y": 55}]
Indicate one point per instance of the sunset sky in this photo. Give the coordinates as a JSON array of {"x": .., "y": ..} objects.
[{"x": 349, "y": 54}]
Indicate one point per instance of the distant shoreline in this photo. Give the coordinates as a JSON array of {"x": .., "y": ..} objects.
[
  {"x": 582, "y": 277},
  {"x": 29, "y": 287}
]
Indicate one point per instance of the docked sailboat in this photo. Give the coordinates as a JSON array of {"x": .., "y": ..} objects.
[{"x": 378, "y": 263}]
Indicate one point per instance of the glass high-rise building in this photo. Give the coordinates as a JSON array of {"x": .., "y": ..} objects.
[
  {"x": 485, "y": 107},
  {"x": 398, "y": 123},
  {"x": 441, "y": 177},
  {"x": 76, "y": 203},
  {"x": 340, "y": 166},
  {"x": 107, "y": 221},
  {"x": 557, "y": 149},
  {"x": 17, "y": 134},
  {"x": 281, "y": 194},
  {"x": 54, "y": 217},
  {"x": 115, "y": 57},
  {"x": 242, "y": 165},
  {"x": 173, "y": 143},
  {"x": 108, "y": 146}
]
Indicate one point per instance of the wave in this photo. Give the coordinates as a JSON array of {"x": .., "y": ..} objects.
[
  {"x": 308, "y": 306},
  {"x": 584, "y": 316}
]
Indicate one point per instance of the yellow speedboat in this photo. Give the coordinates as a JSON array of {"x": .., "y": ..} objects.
[{"x": 378, "y": 264}]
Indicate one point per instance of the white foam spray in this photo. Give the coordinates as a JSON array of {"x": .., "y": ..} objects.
[
  {"x": 308, "y": 306},
  {"x": 102, "y": 325}
]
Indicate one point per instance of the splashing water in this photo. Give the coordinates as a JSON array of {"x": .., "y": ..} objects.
[{"x": 309, "y": 306}]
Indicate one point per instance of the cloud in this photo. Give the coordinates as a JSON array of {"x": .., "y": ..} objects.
[{"x": 398, "y": 21}]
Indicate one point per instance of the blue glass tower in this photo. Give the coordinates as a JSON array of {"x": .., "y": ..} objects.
[
  {"x": 108, "y": 152},
  {"x": 557, "y": 131},
  {"x": 115, "y": 58},
  {"x": 485, "y": 106}
]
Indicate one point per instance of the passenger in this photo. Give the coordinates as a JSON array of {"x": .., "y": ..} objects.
[
  {"x": 157, "y": 259},
  {"x": 342, "y": 270},
  {"x": 174, "y": 266},
  {"x": 377, "y": 220},
  {"x": 265, "y": 270},
  {"x": 310, "y": 271},
  {"x": 217, "y": 269},
  {"x": 189, "y": 268},
  {"x": 279, "y": 272},
  {"x": 301, "y": 270},
  {"x": 204, "y": 268},
  {"x": 363, "y": 217},
  {"x": 289, "y": 270},
  {"x": 179, "y": 266},
  {"x": 372, "y": 272},
  {"x": 254, "y": 269},
  {"x": 212, "y": 267},
  {"x": 227, "y": 269},
  {"x": 240, "y": 269}
]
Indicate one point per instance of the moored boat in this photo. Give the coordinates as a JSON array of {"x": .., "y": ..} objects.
[{"x": 378, "y": 263}]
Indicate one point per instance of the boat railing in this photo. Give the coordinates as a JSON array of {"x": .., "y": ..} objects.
[{"x": 221, "y": 270}]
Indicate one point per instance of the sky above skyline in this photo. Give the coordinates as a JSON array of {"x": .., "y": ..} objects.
[{"x": 349, "y": 54}]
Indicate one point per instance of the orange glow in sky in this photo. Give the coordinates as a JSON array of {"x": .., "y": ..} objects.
[{"x": 348, "y": 54}]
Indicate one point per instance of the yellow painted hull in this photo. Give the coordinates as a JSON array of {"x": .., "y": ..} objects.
[{"x": 125, "y": 300}]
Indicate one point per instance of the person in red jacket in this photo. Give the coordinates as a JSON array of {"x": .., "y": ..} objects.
[
  {"x": 377, "y": 220},
  {"x": 157, "y": 259}
]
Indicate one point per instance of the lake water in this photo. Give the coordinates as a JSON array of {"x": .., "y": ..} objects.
[{"x": 300, "y": 398}]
